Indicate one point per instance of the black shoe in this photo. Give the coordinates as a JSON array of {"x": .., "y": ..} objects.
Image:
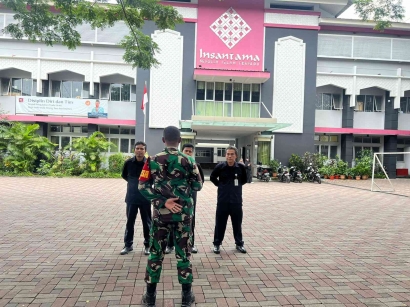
[
  {"x": 188, "y": 296},
  {"x": 194, "y": 249},
  {"x": 169, "y": 250},
  {"x": 217, "y": 249},
  {"x": 146, "y": 250},
  {"x": 241, "y": 249},
  {"x": 126, "y": 250},
  {"x": 149, "y": 297}
]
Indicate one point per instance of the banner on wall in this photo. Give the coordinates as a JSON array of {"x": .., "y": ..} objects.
[
  {"x": 93, "y": 108},
  {"x": 230, "y": 35}
]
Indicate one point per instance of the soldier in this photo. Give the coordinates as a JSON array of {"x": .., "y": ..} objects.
[
  {"x": 187, "y": 149},
  {"x": 168, "y": 180}
]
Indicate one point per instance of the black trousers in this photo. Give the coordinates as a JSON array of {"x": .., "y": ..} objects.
[
  {"x": 223, "y": 211},
  {"x": 146, "y": 219},
  {"x": 171, "y": 234}
]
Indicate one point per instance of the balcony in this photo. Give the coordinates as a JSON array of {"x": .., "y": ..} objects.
[
  {"x": 368, "y": 120},
  {"x": 328, "y": 118},
  {"x": 227, "y": 109},
  {"x": 404, "y": 121}
]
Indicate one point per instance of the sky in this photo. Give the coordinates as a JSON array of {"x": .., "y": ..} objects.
[{"x": 351, "y": 14}]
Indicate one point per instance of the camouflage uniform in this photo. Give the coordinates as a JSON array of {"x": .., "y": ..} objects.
[{"x": 170, "y": 174}]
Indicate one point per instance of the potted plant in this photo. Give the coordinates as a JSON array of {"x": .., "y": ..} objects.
[
  {"x": 356, "y": 172},
  {"x": 342, "y": 169},
  {"x": 324, "y": 170},
  {"x": 348, "y": 173},
  {"x": 332, "y": 172},
  {"x": 274, "y": 164}
]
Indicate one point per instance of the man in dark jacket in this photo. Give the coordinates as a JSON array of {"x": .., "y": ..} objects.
[
  {"x": 187, "y": 149},
  {"x": 229, "y": 177},
  {"x": 134, "y": 200}
]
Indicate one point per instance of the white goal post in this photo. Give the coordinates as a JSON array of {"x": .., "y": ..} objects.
[{"x": 377, "y": 162}]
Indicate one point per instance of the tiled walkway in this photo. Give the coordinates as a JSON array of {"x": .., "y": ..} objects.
[{"x": 309, "y": 244}]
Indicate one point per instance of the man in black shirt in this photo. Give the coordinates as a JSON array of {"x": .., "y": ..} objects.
[
  {"x": 229, "y": 177},
  {"x": 134, "y": 200},
  {"x": 187, "y": 149}
]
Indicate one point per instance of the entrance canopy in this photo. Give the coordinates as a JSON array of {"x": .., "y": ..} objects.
[{"x": 230, "y": 127}]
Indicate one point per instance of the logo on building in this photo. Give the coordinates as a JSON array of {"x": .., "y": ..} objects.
[
  {"x": 21, "y": 99},
  {"x": 230, "y": 27}
]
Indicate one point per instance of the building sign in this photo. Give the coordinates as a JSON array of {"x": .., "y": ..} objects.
[
  {"x": 230, "y": 35},
  {"x": 61, "y": 106}
]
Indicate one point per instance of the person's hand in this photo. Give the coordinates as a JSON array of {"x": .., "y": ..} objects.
[{"x": 172, "y": 206}]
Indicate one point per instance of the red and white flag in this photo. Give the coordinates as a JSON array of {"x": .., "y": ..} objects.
[{"x": 144, "y": 98}]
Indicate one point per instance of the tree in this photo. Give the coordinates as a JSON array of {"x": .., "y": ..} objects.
[
  {"x": 383, "y": 12},
  {"x": 37, "y": 21},
  {"x": 21, "y": 146}
]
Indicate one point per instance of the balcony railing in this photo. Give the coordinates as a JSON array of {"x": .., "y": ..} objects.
[{"x": 228, "y": 109}]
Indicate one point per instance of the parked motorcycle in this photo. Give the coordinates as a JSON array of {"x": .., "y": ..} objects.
[
  {"x": 312, "y": 174},
  {"x": 295, "y": 175},
  {"x": 263, "y": 173},
  {"x": 283, "y": 173}
]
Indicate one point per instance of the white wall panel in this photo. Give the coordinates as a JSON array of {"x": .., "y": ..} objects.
[
  {"x": 101, "y": 70},
  {"x": 345, "y": 82},
  {"x": 165, "y": 92},
  {"x": 292, "y": 19},
  {"x": 289, "y": 83},
  {"x": 29, "y": 65},
  {"x": 388, "y": 84},
  {"x": 187, "y": 12}
]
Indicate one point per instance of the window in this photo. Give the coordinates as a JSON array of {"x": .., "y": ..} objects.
[
  {"x": 203, "y": 153},
  {"x": 70, "y": 89},
  {"x": 329, "y": 102},
  {"x": 18, "y": 87},
  {"x": 246, "y": 92},
  {"x": 369, "y": 103},
  {"x": 256, "y": 92},
  {"x": 237, "y": 92},
  {"x": 221, "y": 152},
  {"x": 228, "y": 99},
  {"x": 125, "y": 145},
  {"x": 400, "y": 158},
  {"x": 228, "y": 91},
  {"x": 209, "y": 91},
  {"x": 366, "y": 142},
  {"x": 200, "y": 90},
  {"x": 405, "y": 105},
  {"x": 118, "y": 92},
  {"x": 219, "y": 91},
  {"x": 326, "y": 148}
]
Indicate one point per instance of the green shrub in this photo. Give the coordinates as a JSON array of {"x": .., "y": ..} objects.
[
  {"x": 296, "y": 161},
  {"x": 92, "y": 148},
  {"x": 100, "y": 174},
  {"x": 116, "y": 163}
]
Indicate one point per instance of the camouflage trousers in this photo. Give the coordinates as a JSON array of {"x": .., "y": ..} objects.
[{"x": 158, "y": 243}]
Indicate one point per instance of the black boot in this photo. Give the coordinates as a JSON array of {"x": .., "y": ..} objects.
[
  {"x": 188, "y": 296},
  {"x": 148, "y": 299}
]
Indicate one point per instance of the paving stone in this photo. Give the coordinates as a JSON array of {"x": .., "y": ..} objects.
[{"x": 308, "y": 244}]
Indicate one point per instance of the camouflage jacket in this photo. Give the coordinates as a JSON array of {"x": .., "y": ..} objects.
[{"x": 170, "y": 174}]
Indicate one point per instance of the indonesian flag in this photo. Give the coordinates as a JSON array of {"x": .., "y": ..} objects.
[{"x": 144, "y": 98}]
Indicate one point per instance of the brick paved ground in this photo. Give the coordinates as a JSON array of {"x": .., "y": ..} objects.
[
  {"x": 400, "y": 186},
  {"x": 308, "y": 244}
]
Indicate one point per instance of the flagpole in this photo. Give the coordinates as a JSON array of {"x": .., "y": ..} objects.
[{"x": 145, "y": 115}]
